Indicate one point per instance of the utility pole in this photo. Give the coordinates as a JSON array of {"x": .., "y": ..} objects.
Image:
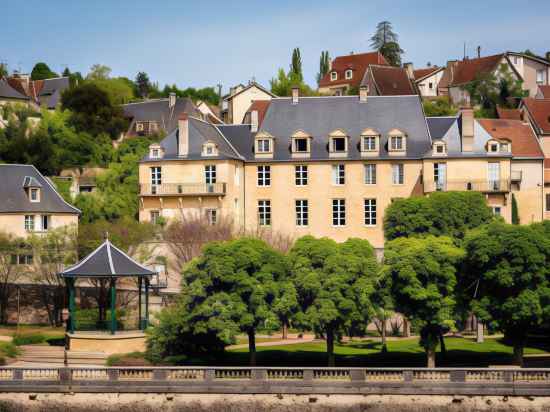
[{"x": 478, "y": 52}]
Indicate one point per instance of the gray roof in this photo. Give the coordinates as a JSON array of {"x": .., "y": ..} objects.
[
  {"x": 200, "y": 132},
  {"x": 14, "y": 199},
  {"x": 107, "y": 261},
  {"x": 158, "y": 110},
  {"x": 439, "y": 126},
  {"x": 8, "y": 92},
  {"x": 30, "y": 181}
]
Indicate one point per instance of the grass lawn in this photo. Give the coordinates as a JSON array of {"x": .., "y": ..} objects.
[
  {"x": 7, "y": 350},
  {"x": 403, "y": 352},
  {"x": 242, "y": 340},
  {"x": 34, "y": 334}
]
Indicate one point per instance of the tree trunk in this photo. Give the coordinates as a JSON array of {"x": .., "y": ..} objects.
[
  {"x": 285, "y": 329},
  {"x": 406, "y": 328},
  {"x": 479, "y": 332},
  {"x": 518, "y": 354},
  {"x": 252, "y": 347},
  {"x": 384, "y": 345},
  {"x": 442, "y": 344},
  {"x": 330, "y": 347},
  {"x": 430, "y": 354}
]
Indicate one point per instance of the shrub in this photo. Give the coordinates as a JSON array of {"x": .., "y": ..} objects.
[
  {"x": 128, "y": 359},
  {"x": 28, "y": 339}
]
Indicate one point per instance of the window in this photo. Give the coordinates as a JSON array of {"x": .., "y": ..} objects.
[
  {"x": 300, "y": 172},
  {"x": 34, "y": 194},
  {"x": 338, "y": 212},
  {"x": 209, "y": 149},
  {"x": 264, "y": 175},
  {"x": 264, "y": 212},
  {"x": 493, "y": 147},
  {"x": 155, "y": 216},
  {"x": 156, "y": 177},
  {"x": 396, "y": 143},
  {"x": 369, "y": 143},
  {"x": 333, "y": 76},
  {"x": 212, "y": 216},
  {"x": 29, "y": 223},
  {"x": 45, "y": 222},
  {"x": 370, "y": 212},
  {"x": 155, "y": 153},
  {"x": 494, "y": 175},
  {"x": 398, "y": 174},
  {"x": 430, "y": 85},
  {"x": 497, "y": 210},
  {"x": 301, "y": 145},
  {"x": 505, "y": 147},
  {"x": 210, "y": 174},
  {"x": 338, "y": 144},
  {"x": 440, "y": 175},
  {"x": 338, "y": 174},
  {"x": 21, "y": 259},
  {"x": 302, "y": 213},
  {"x": 349, "y": 74},
  {"x": 237, "y": 177},
  {"x": 370, "y": 174},
  {"x": 541, "y": 76},
  {"x": 439, "y": 148},
  {"x": 548, "y": 202},
  {"x": 140, "y": 127},
  {"x": 263, "y": 145}
]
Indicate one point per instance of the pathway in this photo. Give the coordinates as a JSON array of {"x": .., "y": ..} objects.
[{"x": 292, "y": 340}]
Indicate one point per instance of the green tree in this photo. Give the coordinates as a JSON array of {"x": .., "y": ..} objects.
[
  {"x": 384, "y": 34},
  {"x": 282, "y": 85},
  {"x": 10, "y": 271},
  {"x": 99, "y": 72},
  {"x": 335, "y": 284},
  {"x": 245, "y": 274},
  {"x": 509, "y": 266},
  {"x": 442, "y": 213},
  {"x": 324, "y": 65},
  {"x": 92, "y": 111},
  {"x": 392, "y": 53},
  {"x": 143, "y": 84},
  {"x": 41, "y": 71},
  {"x": 423, "y": 279},
  {"x": 296, "y": 64},
  {"x": 3, "y": 70},
  {"x": 440, "y": 106},
  {"x": 119, "y": 89},
  {"x": 515, "y": 213}
]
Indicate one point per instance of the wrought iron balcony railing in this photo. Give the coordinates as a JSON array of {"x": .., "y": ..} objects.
[
  {"x": 486, "y": 186},
  {"x": 182, "y": 189}
]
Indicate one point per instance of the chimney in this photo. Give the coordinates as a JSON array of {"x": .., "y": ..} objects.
[
  {"x": 467, "y": 114},
  {"x": 363, "y": 93},
  {"x": 451, "y": 64},
  {"x": 295, "y": 94},
  {"x": 171, "y": 100},
  {"x": 254, "y": 121},
  {"x": 409, "y": 69},
  {"x": 183, "y": 135}
]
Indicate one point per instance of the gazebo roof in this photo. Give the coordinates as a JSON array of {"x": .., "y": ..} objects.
[{"x": 107, "y": 261}]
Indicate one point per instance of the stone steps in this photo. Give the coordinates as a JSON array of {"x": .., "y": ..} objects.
[{"x": 56, "y": 354}]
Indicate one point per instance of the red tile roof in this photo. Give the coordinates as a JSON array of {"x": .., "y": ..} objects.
[
  {"x": 356, "y": 62},
  {"x": 545, "y": 91},
  {"x": 420, "y": 73},
  {"x": 547, "y": 163},
  {"x": 391, "y": 80},
  {"x": 510, "y": 114},
  {"x": 466, "y": 71},
  {"x": 539, "y": 110},
  {"x": 261, "y": 106},
  {"x": 524, "y": 141}
]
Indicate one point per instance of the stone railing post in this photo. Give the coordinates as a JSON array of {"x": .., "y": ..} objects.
[
  {"x": 18, "y": 374},
  {"x": 113, "y": 374},
  {"x": 357, "y": 374},
  {"x": 508, "y": 376},
  {"x": 160, "y": 374},
  {"x": 407, "y": 376},
  {"x": 259, "y": 374},
  {"x": 65, "y": 376},
  {"x": 210, "y": 375},
  {"x": 308, "y": 376},
  {"x": 458, "y": 376}
]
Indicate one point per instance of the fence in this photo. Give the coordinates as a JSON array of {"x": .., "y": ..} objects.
[{"x": 247, "y": 380}]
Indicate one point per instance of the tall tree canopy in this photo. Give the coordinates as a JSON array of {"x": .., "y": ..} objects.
[
  {"x": 3, "y": 70},
  {"x": 423, "y": 280},
  {"x": 143, "y": 84},
  {"x": 99, "y": 72},
  {"x": 324, "y": 65},
  {"x": 335, "y": 283},
  {"x": 385, "y": 40},
  {"x": 296, "y": 64},
  {"x": 507, "y": 278},
  {"x": 41, "y": 71}
]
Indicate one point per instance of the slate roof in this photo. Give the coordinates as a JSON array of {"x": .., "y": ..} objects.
[
  {"x": 439, "y": 126},
  {"x": 389, "y": 80},
  {"x": 539, "y": 110},
  {"x": 357, "y": 62},
  {"x": 158, "y": 110},
  {"x": 8, "y": 92},
  {"x": 46, "y": 91},
  {"x": 200, "y": 132},
  {"x": 107, "y": 261},
  {"x": 524, "y": 141},
  {"x": 14, "y": 199}
]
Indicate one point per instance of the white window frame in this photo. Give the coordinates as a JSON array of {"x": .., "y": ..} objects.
[
  {"x": 155, "y": 153},
  {"x": 370, "y": 212},
  {"x": 493, "y": 175},
  {"x": 212, "y": 216},
  {"x": 156, "y": 175},
  {"x": 338, "y": 212},
  {"x": 29, "y": 223},
  {"x": 36, "y": 191},
  {"x": 302, "y": 212},
  {"x": 440, "y": 176},
  {"x": 264, "y": 212},
  {"x": 397, "y": 148},
  {"x": 210, "y": 174},
  {"x": 263, "y": 175},
  {"x": 260, "y": 145},
  {"x": 497, "y": 210},
  {"x": 349, "y": 74},
  {"x": 333, "y": 144},
  {"x": 295, "y": 145},
  {"x": 366, "y": 147},
  {"x": 398, "y": 174},
  {"x": 333, "y": 76},
  {"x": 339, "y": 174},
  {"x": 301, "y": 175},
  {"x": 541, "y": 76},
  {"x": 370, "y": 173},
  {"x": 154, "y": 216},
  {"x": 45, "y": 219}
]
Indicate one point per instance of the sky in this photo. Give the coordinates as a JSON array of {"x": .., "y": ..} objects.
[{"x": 205, "y": 43}]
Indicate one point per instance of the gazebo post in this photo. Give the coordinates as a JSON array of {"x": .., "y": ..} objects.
[
  {"x": 113, "y": 306},
  {"x": 146, "y": 303},
  {"x": 140, "y": 323},
  {"x": 70, "y": 282}
]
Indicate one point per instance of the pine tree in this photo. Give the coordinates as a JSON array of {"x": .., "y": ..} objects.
[
  {"x": 296, "y": 65},
  {"x": 384, "y": 34},
  {"x": 143, "y": 84}
]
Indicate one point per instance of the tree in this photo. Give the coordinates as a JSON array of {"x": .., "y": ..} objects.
[
  {"x": 324, "y": 65},
  {"x": 442, "y": 213},
  {"x": 392, "y": 53},
  {"x": 143, "y": 84},
  {"x": 3, "y": 70},
  {"x": 296, "y": 64},
  {"x": 440, "y": 106},
  {"x": 92, "y": 111},
  {"x": 283, "y": 84},
  {"x": 66, "y": 72},
  {"x": 334, "y": 284},
  {"x": 245, "y": 274},
  {"x": 384, "y": 34},
  {"x": 119, "y": 89},
  {"x": 507, "y": 274},
  {"x": 10, "y": 271},
  {"x": 515, "y": 214},
  {"x": 41, "y": 71},
  {"x": 99, "y": 72},
  {"x": 423, "y": 278}
]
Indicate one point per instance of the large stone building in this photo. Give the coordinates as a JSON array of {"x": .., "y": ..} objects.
[{"x": 330, "y": 166}]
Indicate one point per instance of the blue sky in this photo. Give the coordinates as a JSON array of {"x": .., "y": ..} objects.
[{"x": 204, "y": 43}]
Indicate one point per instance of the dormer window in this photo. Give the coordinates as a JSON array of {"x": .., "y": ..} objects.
[
  {"x": 32, "y": 187},
  {"x": 263, "y": 146},
  {"x": 301, "y": 144},
  {"x": 333, "y": 76},
  {"x": 156, "y": 151},
  {"x": 397, "y": 143},
  {"x": 505, "y": 147},
  {"x": 370, "y": 142},
  {"x": 34, "y": 194},
  {"x": 349, "y": 74},
  {"x": 439, "y": 148},
  {"x": 493, "y": 146},
  {"x": 338, "y": 144},
  {"x": 209, "y": 149}
]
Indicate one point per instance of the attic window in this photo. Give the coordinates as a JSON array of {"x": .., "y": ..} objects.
[
  {"x": 349, "y": 74},
  {"x": 155, "y": 151},
  {"x": 493, "y": 146},
  {"x": 300, "y": 144},
  {"x": 505, "y": 147},
  {"x": 333, "y": 76},
  {"x": 209, "y": 149},
  {"x": 439, "y": 148},
  {"x": 263, "y": 146},
  {"x": 338, "y": 144},
  {"x": 397, "y": 141},
  {"x": 370, "y": 141},
  {"x": 34, "y": 194}
]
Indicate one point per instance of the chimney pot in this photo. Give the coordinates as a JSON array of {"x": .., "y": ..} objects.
[
  {"x": 183, "y": 135},
  {"x": 363, "y": 94},
  {"x": 254, "y": 121},
  {"x": 171, "y": 99},
  {"x": 295, "y": 95}
]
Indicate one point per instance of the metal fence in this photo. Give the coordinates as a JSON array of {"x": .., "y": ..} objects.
[{"x": 247, "y": 380}]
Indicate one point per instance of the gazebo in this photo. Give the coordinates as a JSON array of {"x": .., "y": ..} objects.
[{"x": 110, "y": 263}]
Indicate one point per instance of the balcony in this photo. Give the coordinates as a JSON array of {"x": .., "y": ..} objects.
[
  {"x": 485, "y": 186},
  {"x": 182, "y": 189}
]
